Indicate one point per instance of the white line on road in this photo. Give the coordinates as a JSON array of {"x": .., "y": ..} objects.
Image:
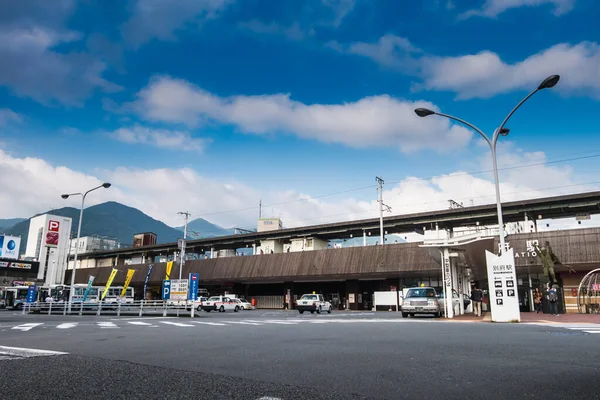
[
  {"x": 280, "y": 322},
  {"x": 27, "y": 327},
  {"x": 592, "y": 331},
  {"x": 175, "y": 323},
  {"x": 23, "y": 352},
  {"x": 67, "y": 325},
  {"x": 139, "y": 323},
  {"x": 209, "y": 323},
  {"x": 107, "y": 325},
  {"x": 244, "y": 323}
]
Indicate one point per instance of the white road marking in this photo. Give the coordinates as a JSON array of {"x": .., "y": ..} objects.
[
  {"x": 141, "y": 323},
  {"x": 67, "y": 325},
  {"x": 27, "y": 327},
  {"x": 592, "y": 331},
  {"x": 175, "y": 323},
  {"x": 269, "y": 398},
  {"x": 209, "y": 323},
  {"x": 244, "y": 323},
  {"x": 107, "y": 325},
  {"x": 280, "y": 322},
  {"x": 14, "y": 353}
]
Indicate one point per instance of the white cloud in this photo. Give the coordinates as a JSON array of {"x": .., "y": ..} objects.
[
  {"x": 485, "y": 74},
  {"x": 340, "y": 8},
  {"x": 493, "y": 8},
  {"x": 161, "y": 19},
  {"x": 378, "y": 121},
  {"x": 293, "y": 32},
  {"x": 31, "y": 68},
  {"x": 7, "y": 116},
  {"x": 161, "y": 138},
  {"x": 232, "y": 203},
  {"x": 390, "y": 51}
]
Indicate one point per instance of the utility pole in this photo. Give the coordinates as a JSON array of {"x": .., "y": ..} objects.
[
  {"x": 260, "y": 209},
  {"x": 381, "y": 206},
  {"x": 186, "y": 215}
]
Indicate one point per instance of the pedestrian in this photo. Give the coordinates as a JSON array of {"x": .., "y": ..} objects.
[
  {"x": 552, "y": 297},
  {"x": 477, "y": 298},
  {"x": 537, "y": 300}
]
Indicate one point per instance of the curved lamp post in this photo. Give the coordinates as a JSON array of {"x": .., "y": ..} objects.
[
  {"x": 548, "y": 83},
  {"x": 105, "y": 185}
]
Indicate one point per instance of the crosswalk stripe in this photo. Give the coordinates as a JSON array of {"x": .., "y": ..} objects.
[
  {"x": 582, "y": 328},
  {"x": 139, "y": 323},
  {"x": 27, "y": 327},
  {"x": 23, "y": 352},
  {"x": 209, "y": 323},
  {"x": 244, "y": 323},
  {"x": 592, "y": 331},
  {"x": 107, "y": 325},
  {"x": 281, "y": 322},
  {"x": 67, "y": 325},
  {"x": 175, "y": 323}
]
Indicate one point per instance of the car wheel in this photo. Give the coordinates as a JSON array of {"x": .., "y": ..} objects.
[
  {"x": 319, "y": 310},
  {"x": 222, "y": 309},
  {"x": 301, "y": 312},
  {"x": 236, "y": 309},
  {"x": 412, "y": 315},
  {"x": 199, "y": 308},
  {"x": 312, "y": 312},
  {"x": 329, "y": 311},
  {"x": 404, "y": 315}
]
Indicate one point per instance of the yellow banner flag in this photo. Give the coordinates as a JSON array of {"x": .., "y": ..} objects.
[
  {"x": 169, "y": 267},
  {"x": 130, "y": 273},
  {"x": 109, "y": 282}
]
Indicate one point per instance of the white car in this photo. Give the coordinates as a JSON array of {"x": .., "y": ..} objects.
[
  {"x": 312, "y": 303},
  {"x": 221, "y": 304},
  {"x": 244, "y": 304}
]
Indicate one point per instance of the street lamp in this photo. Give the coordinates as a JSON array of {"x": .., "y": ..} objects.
[
  {"x": 547, "y": 83},
  {"x": 105, "y": 185}
]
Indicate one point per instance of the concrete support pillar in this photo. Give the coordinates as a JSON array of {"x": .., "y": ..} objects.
[
  {"x": 531, "y": 303},
  {"x": 364, "y": 238},
  {"x": 212, "y": 252},
  {"x": 253, "y": 249}
]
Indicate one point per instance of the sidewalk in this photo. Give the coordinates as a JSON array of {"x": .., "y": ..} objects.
[{"x": 532, "y": 317}]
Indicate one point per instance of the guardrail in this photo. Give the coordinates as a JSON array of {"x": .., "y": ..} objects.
[{"x": 135, "y": 308}]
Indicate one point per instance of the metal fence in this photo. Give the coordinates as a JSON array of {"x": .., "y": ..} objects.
[{"x": 134, "y": 308}]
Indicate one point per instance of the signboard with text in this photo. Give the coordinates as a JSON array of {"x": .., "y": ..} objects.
[
  {"x": 502, "y": 281},
  {"x": 9, "y": 246},
  {"x": 179, "y": 289},
  {"x": 52, "y": 235},
  {"x": 193, "y": 294},
  {"x": 166, "y": 290}
]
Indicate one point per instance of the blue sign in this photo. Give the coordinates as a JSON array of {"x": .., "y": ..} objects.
[
  {"x": 166, "y": 290},
  {"x": 146, "y": 281},
  {"x": 31, "y": 294},
  {"x": 87, "y": 289},
  {"x": 193, "y": 292}
]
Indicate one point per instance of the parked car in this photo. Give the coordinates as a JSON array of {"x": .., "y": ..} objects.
[
  {"x": 244, "y": 304},
  {"x": 221, "y": 304},
  {"x": 312, "y": 303},
  {"x": 421, "y": 300}
]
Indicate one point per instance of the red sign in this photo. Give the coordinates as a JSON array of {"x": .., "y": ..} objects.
[
  {"x": 194, "y": 277},
  {"x": 53, "y": 226}
]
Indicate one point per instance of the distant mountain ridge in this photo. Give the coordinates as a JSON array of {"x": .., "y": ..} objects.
[
  {"x": 201, "y": 228},
  {"x": 111, "y": 219},
  {"x": 6, "y": 224}
]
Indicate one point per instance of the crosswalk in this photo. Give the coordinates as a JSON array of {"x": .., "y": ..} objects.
[
  {"x": 154, "y": 323},
  {"x": 18, "y": 353},
  {"x": 592, "y": 329}
]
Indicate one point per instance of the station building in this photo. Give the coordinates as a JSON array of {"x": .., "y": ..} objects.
[{"x": 285, "y": 263}]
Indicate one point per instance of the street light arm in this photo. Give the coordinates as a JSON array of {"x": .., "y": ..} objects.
[
  {"x": 470, "y": 125},
  {"x": 91, "y": 190},
  {"x": 497, "y": 131}
]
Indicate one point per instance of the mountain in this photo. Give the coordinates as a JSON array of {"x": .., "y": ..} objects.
[
  {"x": 6, "y": 224},
  {"x": 201, "y": 228},
  {"x": 113, "y": 220}
]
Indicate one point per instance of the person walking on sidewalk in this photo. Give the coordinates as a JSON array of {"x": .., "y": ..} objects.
[
  {"x": 552, "y": 297},
  {"x": 537, "y": 300},
  {"x": 477, "y": 298}
]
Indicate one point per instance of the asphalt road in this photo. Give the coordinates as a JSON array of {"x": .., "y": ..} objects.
[{"x": 256, "y": 354}]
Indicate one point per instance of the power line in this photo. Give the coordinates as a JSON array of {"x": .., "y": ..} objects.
[{"x": 398, "y": 181}]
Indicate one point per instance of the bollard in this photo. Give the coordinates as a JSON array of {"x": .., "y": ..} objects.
[
  {"x": 81, "y": 309},
  {"x": 65, "y": 308},
  {"x": 164, "y": 308},
  {"x": 141, "y": 308},
  {"x": 99, "y": 308},
  {"x": 49, "y": 308},
  {"x": 119, "y": 309},
  {"x": 192, "y": 312}
]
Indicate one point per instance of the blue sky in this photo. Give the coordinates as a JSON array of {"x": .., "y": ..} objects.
[{"x": 229, "y": 101}]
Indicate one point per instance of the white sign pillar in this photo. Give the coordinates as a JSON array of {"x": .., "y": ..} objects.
[
  {"x": 502, "y": 281},
  {"x": 447, "y": 276}
]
